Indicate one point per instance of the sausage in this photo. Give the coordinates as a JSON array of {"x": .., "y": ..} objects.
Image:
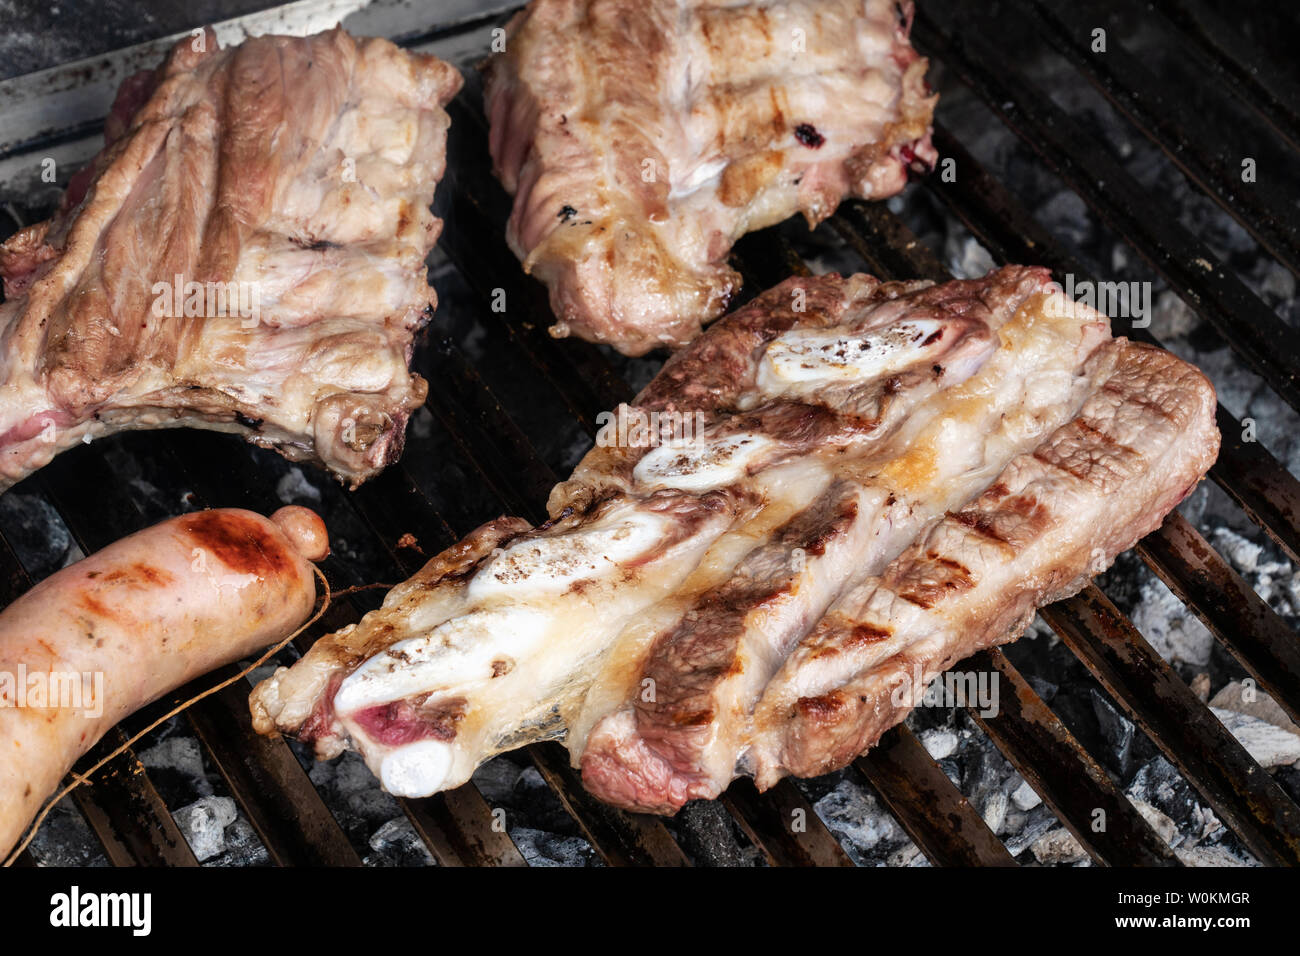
[{"x": 105, "y": 636}]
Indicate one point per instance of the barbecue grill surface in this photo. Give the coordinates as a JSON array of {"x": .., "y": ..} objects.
[{"x": 1128, "y": 155}]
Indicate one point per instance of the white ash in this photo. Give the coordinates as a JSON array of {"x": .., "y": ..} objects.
[
  {"x": 294, "y": 488},
  {"x": 1165, "y": 828},
  {"x": 909, "y": 855},
  {"x": 1157, "y": 786},
  {"x": 1270, "y": 745},
  {"x": 1216, "y": 856},
  {"x": 966, "y": 258},
  {"x": 242, "y": 847},
  {"x": 203, "y": 824},
  {"x": 397, "y": 844},
  {"x": 939, "y": 742},
  {"x": 1174, "y": 631},
  {"x": 540, "y": 848},
  {"x": 534, "y": 818},
  {"x": 36, "y": 533},
  {"x": 1249, "y": 699},
  {"x": 1057, "y": 847},
  {"x": 179, "y": 754},
  {"x": 1036, "y": 822},
  {"x": 1025, "y": 797},
  {"x": 65, "y": 839},
  {"x": 866, "y": 830}
]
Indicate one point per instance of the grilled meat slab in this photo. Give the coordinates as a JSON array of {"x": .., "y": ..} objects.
[
  {"x": 641, "y": 138},
  {"x": 1054, "y": 518},
  {"x": 246, "y": 254},
  {"x": 827, "y": 425}
]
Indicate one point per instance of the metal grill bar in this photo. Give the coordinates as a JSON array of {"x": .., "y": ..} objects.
[
  {"x": 1253, "y": 478},
  {"x": 1026, "y": 730},
  {"x": 1228, "y": 606},
  {"x": 924, "y": 801},
  {"x": 1238, "y": 65},
  {"x": 1191, "y": 737},
  {"x": 1172, "y": 123},
  {"x": 1068, "y": 779},
  {"x": 780, "y": 822},
  {"x": 1253, "y": 330}
]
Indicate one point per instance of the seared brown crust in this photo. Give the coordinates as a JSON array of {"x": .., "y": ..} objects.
[
  {"x": 1053, "y": 519},
  {"x": 641, "y": 139},
  {"x": 278, "y": 193},
  {"x": 716, "y": 375}
]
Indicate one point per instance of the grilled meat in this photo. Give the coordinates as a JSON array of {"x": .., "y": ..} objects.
[
  {"x": 814, "y": 435},
  {"x": 641, "y": 138},
  {"x": 1053, "y": 518},
  {"x": 246, "y": 254}
]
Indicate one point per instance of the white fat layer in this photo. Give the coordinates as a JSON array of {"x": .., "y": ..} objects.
[
  {"x": 536, "y": 567},
  {"x": 702, "y": 463},
  {"x": 458, "y": 652},
  {"x": 815, "y": 357}
]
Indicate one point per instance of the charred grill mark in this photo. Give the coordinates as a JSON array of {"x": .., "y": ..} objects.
[
  {"x": 566, "y": 213},
  {"x": 979, "y": 522},
  {"x": 92, "y": 605},
  {"x": 820, "y": 710},
  {"x": 138, "y": 575},
  {"x": 242, "y": 544},
  {"x": 922, "y": 601},
  {"x": 1077, "y": 471},
  {"x": 844, "y": 518},
  {"x": 863, "y": 634},
  {"x": 699, "y": 718}
]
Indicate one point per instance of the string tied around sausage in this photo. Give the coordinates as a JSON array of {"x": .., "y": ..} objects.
[{"x": 78, "y": 779}]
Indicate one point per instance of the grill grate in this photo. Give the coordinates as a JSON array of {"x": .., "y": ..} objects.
[{"x": 486, "y": 463}]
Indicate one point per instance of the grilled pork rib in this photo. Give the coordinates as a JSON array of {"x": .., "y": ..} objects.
[
  {"x": 246, "y": 254},
  {"x": 833, "y": 422},
  {"x": 1053, "y": 519},
  {"x": 641, "y": 138}
]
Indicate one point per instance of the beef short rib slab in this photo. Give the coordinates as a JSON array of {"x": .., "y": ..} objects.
[
  {"x": 641, "y": 138},
  {"x": 246, "y": 254},
  {"x": 831, "y": 423}
]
